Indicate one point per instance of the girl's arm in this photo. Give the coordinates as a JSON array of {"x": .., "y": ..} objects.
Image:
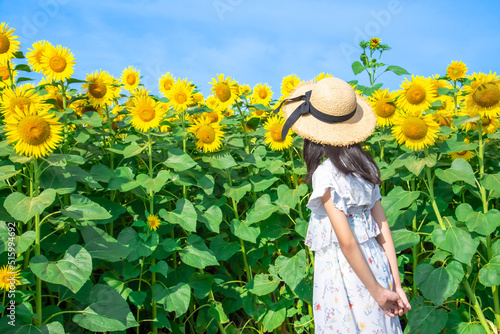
[
  {"x": 388, "y": 300},
  {"x": 385, "y": 240}
]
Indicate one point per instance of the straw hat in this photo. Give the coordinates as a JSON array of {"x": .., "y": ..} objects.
[{"x": 328, "y": 112}]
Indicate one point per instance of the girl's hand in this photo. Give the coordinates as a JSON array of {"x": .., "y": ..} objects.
[
  {"x": 390, "y": 302},
  {"x": 402, "y": 295}
]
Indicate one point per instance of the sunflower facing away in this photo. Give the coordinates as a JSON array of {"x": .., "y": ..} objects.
[
  {"x": 288, "y": 84},
  {"x": 146, "y": 113},
  {"x": 415, "y": 129},
  {"x": 488, "y": 124},
  {"x": 35, "y": 131},
  {"x": 20, "y": 97},
  {"x": 4, "y": 71},
  {"x": 456, "y": 70},
  {"x": 483, "y": 95},
  {"x": 272, "y": 137},
  {"x": 180, "y": 94},
  {"x": 384, "y": 106},
  {"x": 416, "y": 95},
  {"x": 262, "y": 94},
  {"x": 8, "y": 43},
  {"x": 98, "y": 88},
  {"x": 57, "y": 63},
  {"x": 466, "y": 155},
  {"x": 322, "y": 75},
  {"x": 8, "y": 277},
  {"x": 209, "y": 135},
  {"x": 34, "y": 56},
  {"x": 130, "y": 78},
  {"x": 153, "y": 222},
  {"x": 225, "y": 90}
]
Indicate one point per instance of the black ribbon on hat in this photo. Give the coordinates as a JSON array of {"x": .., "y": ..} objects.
[{"x": 307, "y": 107}]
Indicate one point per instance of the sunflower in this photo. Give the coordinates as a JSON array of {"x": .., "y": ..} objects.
[
  {"x": 244, "y": 90},
  {"x": 483, "y": 94},
  {"x": 416, "y": 94},
  {"x": 35, "y": 131},
  {"x": 214, "y": 116},
  {"x": 198, "y": 98},
  {"x": 8, "y": 278},
  {"x": 438, "y": 83},
  {"x": 34, "y": 56},
  {"x": 225, "y": 90},
  {"x": 5, "y": 73},
  {"x": 211, "y": 102},
  {"x": 322, "y": 75},
  {"x": 81, "y": 107},
  {"x": 99, "y": 88},
  {"x": 466, "y": 155},
  {"x": 209, "y": 135},
  {"x": 153, "y": 222},
  {"x": 8, "y": 43},
  {"x": 357, "y": 91},
  {"x": 146, "y": 113},
  {"x": 274, "y": 126},
  {"x": 262, "y": 94},
  {"x": 489, "y": 125},
  {"x": 57, "y": 63},
  {"x": 180, "y": 94},
  {"x": 20, "y": 97},
  {"x": 130, "y": 78},
  {"x": 456, "y": 70},
  {"x": 140, "y": 91},
  {"x": 288, "y": 84},
  {"x": 256, "y": 113},
  {"x": 415, "y": 129},
  {"x": 165, "y": 82},
  {"x": 374, "y": 42},
  {"x": 384, "y": 106}
]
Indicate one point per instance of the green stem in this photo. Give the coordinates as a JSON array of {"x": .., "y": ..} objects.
[
  {"x": 430, "y": 187},
  {"x": 183, "y": 119},
  {"x": 476, "y": 306},
  {"x": 11, "y": 75},
  {"x": 414, "y": 251},
  {"x": 139, "y": 289},
  {"x": 38, "y": 297},
  {"x": 295, "y": 183}
]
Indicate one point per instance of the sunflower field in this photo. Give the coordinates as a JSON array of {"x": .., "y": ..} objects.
[{"x": 126, "y": 212}]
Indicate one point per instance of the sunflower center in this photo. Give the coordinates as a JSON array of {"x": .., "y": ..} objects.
[
  {"x": 4, "y": 73},
  {"x": 456, "y": 72},
  {"x": 262, "y": 93},
  {"x": 214, "y": 118},
  {"x": 223, "y": 92},
  {"x": 259, "y": 112},
  {"x": 487, "y": 95},
  {"x": 57, "y": 63},
  {"x": 131, "y": 79},
  {"x": 33, "y": 129},
  {"x": 386, "y": 109},
  {"x": 486, "y": 121},
  {"x": 20, "y": 102},
  {"x": 462, "y": 153},
  {"x": 206, "y": 134},
  {"x": 147, "y": 113},
  {"x": 415, "y": 94},
  {"x": 414, "y": 128},
  {"x": 4, "y": 43},
  {"x": 275, "y": 132},
  {"x": 180, "y": 97},
  {"x": 97, "y": 89},
  {"x": 167, "y": 84}
]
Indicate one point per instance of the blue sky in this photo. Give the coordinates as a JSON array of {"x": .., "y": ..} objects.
[{"x": 259, "y": 41}]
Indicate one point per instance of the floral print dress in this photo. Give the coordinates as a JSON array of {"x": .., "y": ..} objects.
[{"x": 341, "y": 302}]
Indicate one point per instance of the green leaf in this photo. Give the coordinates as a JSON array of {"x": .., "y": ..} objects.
[
  {"x": 72, "y": 270},
  {"x": 427, "y": 319},
  {"x": 404, "y": 239},
  {"x": 139, "y": 243},
  {"x": 261, "y": 209},
  {"x": 122, "y": 179},
  {"x": 127, "y": 151},
  {"x": 357, "y": 67},
  {"x": 237, "y": 192},
  {"x": 59, "y": 180},
  {"x": 83, "y": 209},
  {"x": 197, "y": 254},
  {"x": 492, "y": 182},
  {"x": 221, "y": 161},
  {"x": 212, "y": 218},
  {"x": 222, "y": 249},
  {"x": 52, "y": 328},
  {"x": 155, "y": 184},
  {"x": 289, "y": 198},
  {"x": 292, "y": 269},
  {"x": 470, "y": 328},
  {"x": 263, "y": 284},
  {"x": 274, "y": 317},
  {"x": 489, "y": 275},
  {"x": 396, "y": 70},
  {"x": 137, "y": 297},
  {"x": 179, "y": 160},
  {"x": 244, "y": 231},
  {"x": 24, "y": 208},
  {"x": 456, "y": 144},
  {"x": 160, "y": 267},
  {"x": 175, "y": 298},
  {"x": 102, "y": 246},
  {"x": 91, "y": 118},
  {"x": 438, "y": 284},
  {"x": 416, "y": 164},
  {"x": 460, "y": 170},
  {"x": 183, "y": 215},
  {"x": 261, "y": 182},
  {"x": 107, "y": 311},
  {"x": 24, "y": 241},
  {"x": 456, "y": 241},
  {"x": 398, "y": 199},
  {"x": 217, "y": 312},
  {"x": 8, "y": 171}
]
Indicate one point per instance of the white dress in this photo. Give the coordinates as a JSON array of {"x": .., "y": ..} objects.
[{"x": 341, "y": 302}]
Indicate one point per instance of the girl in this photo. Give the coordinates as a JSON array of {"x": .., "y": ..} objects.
[{"x": 356, "y": 281}]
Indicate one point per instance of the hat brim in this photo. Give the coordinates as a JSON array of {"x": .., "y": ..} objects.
[{"x": 355, "y": 130}]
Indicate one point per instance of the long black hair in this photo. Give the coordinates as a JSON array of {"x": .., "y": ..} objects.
[{"x": 350, "y": 159}]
